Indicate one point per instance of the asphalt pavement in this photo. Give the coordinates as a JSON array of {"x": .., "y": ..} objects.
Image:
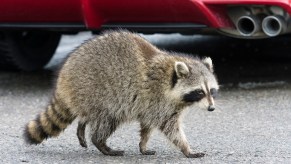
[{"x": 252, "y": 122}]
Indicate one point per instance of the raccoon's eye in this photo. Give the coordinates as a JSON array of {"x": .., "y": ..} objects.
[
  {"x": 194, "y": 96},
  {"x": 213, "y": 92},
  {"x": 199, "y": 91}
]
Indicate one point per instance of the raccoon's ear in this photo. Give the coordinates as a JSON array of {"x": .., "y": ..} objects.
[
  {"x": 181, "y": 69},
  {"x": 208, "y": 62}
]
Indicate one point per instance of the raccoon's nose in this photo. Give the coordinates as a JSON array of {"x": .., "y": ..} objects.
[{"x": 211, "y": 108}]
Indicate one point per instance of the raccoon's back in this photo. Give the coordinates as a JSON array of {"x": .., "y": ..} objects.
[
  {"x": 109, "y": 58},
  {"x": 111, "y": 65}
]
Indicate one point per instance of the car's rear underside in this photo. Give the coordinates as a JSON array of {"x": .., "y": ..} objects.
[{"x": 20, "y": 19}]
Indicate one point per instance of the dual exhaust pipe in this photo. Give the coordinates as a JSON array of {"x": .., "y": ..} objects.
[{"x": 271, "y": 25}]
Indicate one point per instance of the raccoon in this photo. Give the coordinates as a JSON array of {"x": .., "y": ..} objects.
[{"x": 119, "y": 77}]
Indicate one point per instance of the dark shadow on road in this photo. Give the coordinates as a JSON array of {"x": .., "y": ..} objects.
[
  {"x": 14, "y": 82},
  {"x": 239, "y": 60},
  {"x": 236, "y": 60}
]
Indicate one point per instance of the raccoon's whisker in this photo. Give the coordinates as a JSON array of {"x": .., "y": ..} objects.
[
  {"x": 221, "y": 101},
  {"x": 217, "y": 106}
]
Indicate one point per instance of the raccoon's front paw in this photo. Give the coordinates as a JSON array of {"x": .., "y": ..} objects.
[
  {"x": 148, "y": 152},
  {"x": 115, "y": 153},
  {"x": 195, "y": 155},
  {"x": 83, "y": 143}
]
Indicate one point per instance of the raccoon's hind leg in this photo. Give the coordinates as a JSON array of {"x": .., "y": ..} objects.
[
  {"x": 81, "y": 133},
  {"x": 145, "y": 134},
  {"x": 102, "y": 133}
]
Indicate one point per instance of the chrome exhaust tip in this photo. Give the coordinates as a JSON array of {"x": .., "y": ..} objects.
[
  {"x": 248, "y": 25},
  {"x": 274, "y": 25}
]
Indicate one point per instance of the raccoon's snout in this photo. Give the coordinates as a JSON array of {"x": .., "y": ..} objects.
[{"x": 211, "y": 108}]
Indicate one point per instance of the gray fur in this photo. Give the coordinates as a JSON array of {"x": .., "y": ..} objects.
[{"x": 119, "y": 77}]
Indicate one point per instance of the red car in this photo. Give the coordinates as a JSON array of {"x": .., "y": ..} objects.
[{"x": 30, "y": 30}]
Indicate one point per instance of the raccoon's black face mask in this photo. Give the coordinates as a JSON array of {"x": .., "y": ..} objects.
[
  {"x": 194, "y": 96},
  {"x": 199, "y": 94}
]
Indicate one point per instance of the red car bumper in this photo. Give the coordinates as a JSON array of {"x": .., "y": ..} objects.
[{"x": 97, "y": 14}]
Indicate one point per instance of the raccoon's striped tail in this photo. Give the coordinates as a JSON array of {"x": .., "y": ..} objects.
[{"x": 49, "y": 123}]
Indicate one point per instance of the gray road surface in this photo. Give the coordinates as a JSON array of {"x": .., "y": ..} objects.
[{"x": 251, "y": 125}]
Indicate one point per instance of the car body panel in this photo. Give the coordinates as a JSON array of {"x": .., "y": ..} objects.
[
  {"x": 40, "y": 11},
  {"x": 94, "y": 14}
]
